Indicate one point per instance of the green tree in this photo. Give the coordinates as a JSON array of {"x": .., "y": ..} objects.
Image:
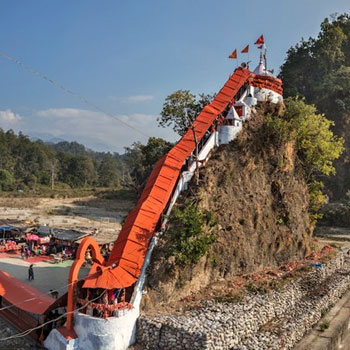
[
  {"x": 6, "y": 180},
  {"x": 108, "y": 175},
  {"x": 141, "y": 159},
  {"x": 319, "y": 70},
  {"x": 180, "y": 110},
  {"x": 34, "y": 164},
  {"x": 317, "y": 146},
  {"x": 80, "y": 172},
  {"x": 135, "y": 165},
  {"x": 153, "y": 150}
]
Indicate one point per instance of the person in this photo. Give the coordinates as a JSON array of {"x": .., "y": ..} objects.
[
  {"x": 111, "y": 296},
  {"x": 88, "y": 257},
  {"x": 31, "y": 272},
  {"x": 54, "y": 294},
  {"x": 54, "y": 250}
]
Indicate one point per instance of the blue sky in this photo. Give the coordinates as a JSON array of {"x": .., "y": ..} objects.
[{"x": 127, "y": 56}]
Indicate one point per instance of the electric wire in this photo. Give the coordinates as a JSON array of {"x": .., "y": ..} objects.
[
  {"x": 28, "y": 331},
  {"x": 69, "y": 91}
]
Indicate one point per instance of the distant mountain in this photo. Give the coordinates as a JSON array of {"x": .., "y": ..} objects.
[{"x": 45, "y": 137}]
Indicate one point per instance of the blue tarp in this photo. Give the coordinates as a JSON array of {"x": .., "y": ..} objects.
[{"x": 6, "y": 228}]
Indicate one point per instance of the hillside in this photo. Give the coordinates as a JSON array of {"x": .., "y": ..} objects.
[
  {"x": 28, "y": 165},
  {"x": 254, "y": 203}
]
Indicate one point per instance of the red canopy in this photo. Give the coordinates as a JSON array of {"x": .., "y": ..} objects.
[
  {"x": 32, "y": 238},
  {"x": 16, "y": 292}
]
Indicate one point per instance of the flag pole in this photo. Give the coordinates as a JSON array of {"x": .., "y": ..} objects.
[{"x": 234, "y": 56}]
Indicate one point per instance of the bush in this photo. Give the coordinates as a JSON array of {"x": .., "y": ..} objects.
[
  {"x": 6, "y": 180},
  {"x": 191, "y": 233},
  {"x": 324, "y": 325}
]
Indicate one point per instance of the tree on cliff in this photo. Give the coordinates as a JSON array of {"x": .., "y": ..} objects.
[
  {"x": 181, "y": 108},
  {"x": 316, "y": 145},
  {"x": 319, "y": 70}
]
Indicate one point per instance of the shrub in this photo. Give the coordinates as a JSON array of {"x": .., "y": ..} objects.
[
  {"x": 6, "y": 180},
  {"x": 191, "y": 233},
  {"x": 324, "y": 325}
]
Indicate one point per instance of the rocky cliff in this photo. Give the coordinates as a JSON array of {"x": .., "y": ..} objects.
[{"x": 257, "y": 192}]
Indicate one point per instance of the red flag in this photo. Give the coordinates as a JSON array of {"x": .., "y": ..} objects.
[
  {"x": 246, "y": 49},
  {"x": 260, "y": 46},
  {"x": 233, "y": 54},
  {"x": 260, "y": 40}
]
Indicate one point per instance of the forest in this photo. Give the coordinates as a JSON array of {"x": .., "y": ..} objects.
[{"x": 34, "y": 166}]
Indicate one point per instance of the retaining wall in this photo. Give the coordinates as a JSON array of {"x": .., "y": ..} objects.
[{"x": 277, "y": 320}]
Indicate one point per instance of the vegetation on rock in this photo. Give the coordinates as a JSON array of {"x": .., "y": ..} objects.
[{"x": 192, "y": 233}]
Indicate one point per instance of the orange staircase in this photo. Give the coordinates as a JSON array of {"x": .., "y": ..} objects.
[{"x": 130, "y": 248}]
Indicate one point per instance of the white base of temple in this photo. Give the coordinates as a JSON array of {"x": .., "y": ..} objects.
[
  {"x": 56, "y": 341},
  {"x": 114, "y": 333}
]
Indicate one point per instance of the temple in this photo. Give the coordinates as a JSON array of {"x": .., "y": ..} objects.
[{"x": 103, "y": 309}]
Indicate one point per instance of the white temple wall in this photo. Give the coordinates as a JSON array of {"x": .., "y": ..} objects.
[{"x": 267, "y": 95}]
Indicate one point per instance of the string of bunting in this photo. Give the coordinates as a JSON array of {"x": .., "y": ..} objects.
[{"x": 102, "y": 307}]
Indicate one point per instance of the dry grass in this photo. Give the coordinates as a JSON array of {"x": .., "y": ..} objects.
[
  {"x": 107, "y": 204},
  {"x": 20, "y": 203}
]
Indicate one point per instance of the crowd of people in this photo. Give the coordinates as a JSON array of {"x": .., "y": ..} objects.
[
  {"x": 102, "y": 303},
  {"x": 30, "y": 250}
]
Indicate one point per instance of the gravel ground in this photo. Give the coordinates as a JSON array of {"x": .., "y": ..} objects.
[{"x": 14, "y": 344}]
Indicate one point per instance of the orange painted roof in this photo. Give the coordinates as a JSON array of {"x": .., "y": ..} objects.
[
  {"x": 268, "y": 82},
  {"x": 131, "y": 246},
  {"x": 16, "y": 292}
]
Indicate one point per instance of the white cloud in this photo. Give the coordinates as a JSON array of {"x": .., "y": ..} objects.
[
  {"x": 63, "y": 113},
  {"x": 96, "y": 130},
  {"x": 140, "y": 98},
  {"x": 7, "y": 117}
]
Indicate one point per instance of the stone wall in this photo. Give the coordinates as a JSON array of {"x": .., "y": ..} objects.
[{"x": 277, "y": 320}]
